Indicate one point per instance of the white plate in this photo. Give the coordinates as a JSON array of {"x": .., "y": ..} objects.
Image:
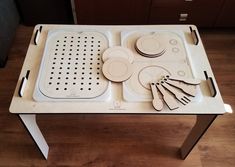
[
  {"x": 117, "y": 69},
  {"x": 118, "y": 51},
  {"x": 148, "y": 55},
  {"x": 150, "y": 45}
]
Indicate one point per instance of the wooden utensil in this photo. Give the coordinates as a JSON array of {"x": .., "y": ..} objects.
[
  {"x": 188, "y": 89},
  {"x": 167, "y": 97},
  {"x": 185, "y": 80},
  {"x": 157, "y": 102},
  {"x": 179, "y": 96}
]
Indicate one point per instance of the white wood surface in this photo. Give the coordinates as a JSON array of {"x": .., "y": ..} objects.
[
  {"x": 197, "y": 60},
  {"x": 30, "y": 123}
]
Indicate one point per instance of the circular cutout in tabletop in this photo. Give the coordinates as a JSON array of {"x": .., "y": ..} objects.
[
  {"x": 151, "y": 74},
  {"x": 118, "y": 51},
  {"x": 117, "y": 69},
  {"x": 150, "y": 45}
]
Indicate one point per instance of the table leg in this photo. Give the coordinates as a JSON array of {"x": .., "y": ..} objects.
[
  {"x": 29, "y": 120},
  {"x": 202, "y": 124}
]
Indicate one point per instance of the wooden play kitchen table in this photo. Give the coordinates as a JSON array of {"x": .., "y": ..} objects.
[{"x": 62, "y": 74}]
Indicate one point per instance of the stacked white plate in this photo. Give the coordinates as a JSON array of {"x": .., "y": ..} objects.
[
  {"x": 150, "y": 46},
  {"x": 117, "y": 65}
]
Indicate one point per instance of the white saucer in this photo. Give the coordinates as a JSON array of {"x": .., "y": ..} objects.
[
  {"x": 150, "y": 45},
  {"x": 118, "y": 51},
  {"x": 117, "y": 69}
]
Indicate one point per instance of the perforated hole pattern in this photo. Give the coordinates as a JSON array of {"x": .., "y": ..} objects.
[{"x": 74, "y": 67}]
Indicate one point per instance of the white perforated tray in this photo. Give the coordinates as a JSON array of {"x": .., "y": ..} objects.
[{"x": 71, "y": 67}]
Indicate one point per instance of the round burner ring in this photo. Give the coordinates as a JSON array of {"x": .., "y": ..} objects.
[{"x": 151, "y": 74}]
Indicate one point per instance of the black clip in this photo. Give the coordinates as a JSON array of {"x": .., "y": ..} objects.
[
  {"x": 194, "y": 36},
  {"x": 211, "y": 84},
  {"x": 23, "y": 84},
  {"x": 37, "y": 35}
]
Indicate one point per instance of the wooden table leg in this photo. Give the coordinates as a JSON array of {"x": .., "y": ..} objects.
[
  {"x": 29, "y": 120},
  {"x": 202, "y": 124}
]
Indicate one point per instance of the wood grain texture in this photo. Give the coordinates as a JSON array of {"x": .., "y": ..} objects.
[
  {"x": 217, "y": 148},
  {"x": 113, "y": 140}
]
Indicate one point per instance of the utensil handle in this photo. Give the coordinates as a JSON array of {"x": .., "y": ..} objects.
[
  {"x": 170, "y": 88},
  {"x": 168, "y": 98},
  {"x": 174, "y": 83},
  {"x": 154, "y": 91},
  {"x": 161, "y": 89},
  {"x": 185, "y": 80},
  {"x": 188, "y": 89}
]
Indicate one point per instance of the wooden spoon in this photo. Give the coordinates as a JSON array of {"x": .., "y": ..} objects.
[{"x": 157, "y": 102}]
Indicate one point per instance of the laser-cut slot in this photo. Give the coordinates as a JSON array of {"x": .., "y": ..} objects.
[
  {"x": 23, "y": 84},
  {"x": 211, "y": 84},
  {"x": 194, "y": 36}
]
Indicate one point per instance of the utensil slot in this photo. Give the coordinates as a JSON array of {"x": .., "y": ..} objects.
[
  {"x": 211, "y": 84},
  {"x": 194, "y": 36},
  {"x": 37, "y": 35},
  {"x": 23, "y": 84}
]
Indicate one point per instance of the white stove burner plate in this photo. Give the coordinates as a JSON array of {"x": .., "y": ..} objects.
[
  {"x": 136, "y": 88},
  {"x": 174, "y": 46}
]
